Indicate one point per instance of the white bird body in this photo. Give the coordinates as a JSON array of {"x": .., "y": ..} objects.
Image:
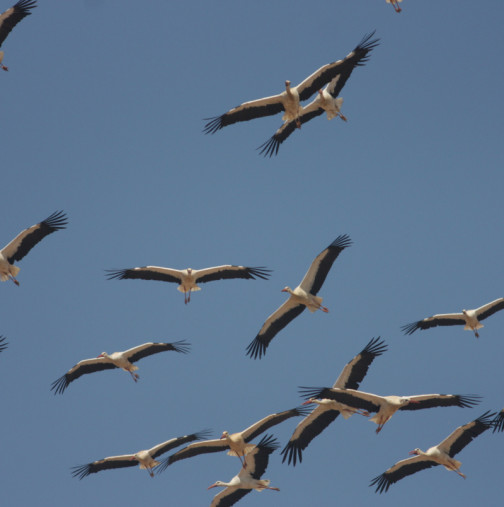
[
  {"x": 236, "y": 443},
  {"x": 145, "y": 458},
  {"x": 25, "y": 241},
  {"x": 469, "y": 318},
  {"x": 249, "y": 476},
  {"x": 325, "y": 100},
  {"x": 123, "y": 360},
  {"x": 327, "y": 410},
  {"x": 303, "y": 296},
  {"x": 441, "y": 454},
  {"x": 386, "y": 406},
  {"x": 289, "y": 100},
  {"x": 189, "y": 278}
]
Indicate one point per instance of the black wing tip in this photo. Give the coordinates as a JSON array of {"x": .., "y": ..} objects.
[
  {"x": 3, "y": 343},
  {"x": 292, "y": 452},
  {"x": 342, "y": 241},
  {"x": 269, "y": 443},
  {"x": 116, "y": 274},
  {"x": 469, "y": 400},
  {"x": 409, "y": 329},
  {"x": 203, "y": 434},
  {"x": 311, "y": 392},
  {"x": 57, "y": 221},
  {"x": 382, "y": 483},
  {"x": 256, "y": 349},
  {"x": 376, "y": 347},
  {"x": 259, "y": 272},
  {"x": 487, "y": 419},
  {"x": 213, "y": 125},
  {"x": 59, "y": 385},
  {"x": 270, "y": 147},
  {"x": 81, "y": 471},
  {"x": 303, "y": 410},
  {"x": 498, "y": 422},
  {"x": 24, "y": 5},
  {"x": 182, "y": 346}
]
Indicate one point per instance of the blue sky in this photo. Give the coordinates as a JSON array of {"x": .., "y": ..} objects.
[{"x": 102, "y": 116}]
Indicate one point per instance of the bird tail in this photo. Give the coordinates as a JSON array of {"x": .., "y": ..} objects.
[
  {"x": 318, "y": 301},
  {"x": 151, "y": 465},
  {"x": 262, "y": 484},
  {"x": 13, "y": 270},
  {"x": 248, "y": 448},
  {"x": 337, "y": 106},
  {"x": 467, "y": 327}
]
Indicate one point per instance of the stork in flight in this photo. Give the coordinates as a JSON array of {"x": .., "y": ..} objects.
[
  {"x": 303, "y": 296},
  {"x": 441, "y": 454},
  {"x": 249, "y": 476},
  {"x": 469, "y": 318},
  {"x": 189, "y": 278},
  {"x": 386, "y": 406},
  {"x": 25, "y": 241},
  {"x": 146, "y": 459},
  {"x": 326, "y": 100},
  {"x": 10, "y": 18},
  {"x": 328, "y": 410},
  {"x": 289, "y": 100},
  {"x": 237, "y": 443},
  {"x": 121, "y": 360}
]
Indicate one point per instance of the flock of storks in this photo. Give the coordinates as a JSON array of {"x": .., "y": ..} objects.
[{"x": 343, "y": 397}]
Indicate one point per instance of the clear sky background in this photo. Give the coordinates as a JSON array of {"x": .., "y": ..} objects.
[{"x": 101, "y": 116}]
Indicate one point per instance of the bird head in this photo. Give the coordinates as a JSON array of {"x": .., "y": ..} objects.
[
  {"x": 225, "y": 434},
  {"x": 287, "y": 84},
  {"x": 415, "y": 451},
  {"x": 215, "y": 484},
  {"x": 286, "y": 289},
  {"x": 103, "y": 354}
]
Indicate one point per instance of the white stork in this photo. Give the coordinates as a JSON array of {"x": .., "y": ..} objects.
[
  {"x": 237, "y": 443},
  {"x": 287, "y": 101},
  {"x": 386, "y": 406},
  {"x": 3, "y": 343},
  {"x": 121, "y": 360},
  {"x": 25, "y": 241},
  {"x": 10, "y": 18},
  {"x": 189, "y": 278},
  {"x": 249, "y": 476},
  {"x": 469, "y": 318},
  {"x": 145, "y": 458},
  {"x": 328, "y": 410},
  {"x": 441, "y": 454},
  {"x": 326, "y": 100},
  {"x": 499, "y": 421},
  {"x": 303, "y": 296},
  {"x": 395, "y": 4}
]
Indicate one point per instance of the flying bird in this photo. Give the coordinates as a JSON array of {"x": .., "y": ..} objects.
[
  {"x": 3, "y": 343},
  {"x": 25, "y": 241},
  {"x": 237, "y": 443},
  {"x": 10, "y": 18},
  {"x": 121, "y": 360},
  {"x": 326, "y": 100},
  {"x": 303, "y": 296},
  {"x": 386, "y": 406},
  {"x": 395, "y": 4},
  {"x": 189, "y": 278},
  {"x": 441, "y": 454},
  {"x": 499, "y": 422},
  {"x": 328, "y": 410},
  {"x": 469, "y": 318},
  {"x": 146, "y": 459},
  {"x": 249, "y": 476},
  {"x": 287, "y": 101}
]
